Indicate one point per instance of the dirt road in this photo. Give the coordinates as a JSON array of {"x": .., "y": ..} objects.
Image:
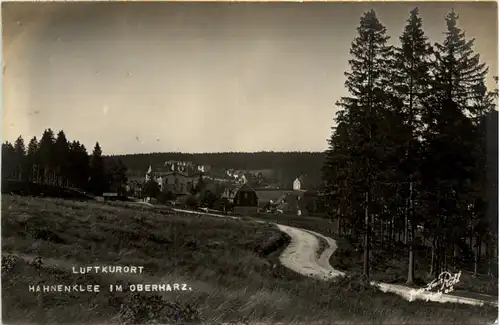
[{"x": 301, "y": 257}]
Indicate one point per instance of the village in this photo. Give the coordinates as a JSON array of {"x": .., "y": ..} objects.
[{"x": 242, "y": 192}]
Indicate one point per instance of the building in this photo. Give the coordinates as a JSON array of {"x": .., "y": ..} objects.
[
  {"x": 270, "y": 196},
  {"x": 179, "y": 183},
  {"x": 301, "y": 183},
  {"x": 179, "y": 178},
  {"x": 185, "y": 167},
  {"x": 243, "y": 199},
  {"x": 293, "y": 202},
  {"x": 237, "y": 176},
  {"x": 135, "y": 182},
  {"x": 296, "y": 185}
]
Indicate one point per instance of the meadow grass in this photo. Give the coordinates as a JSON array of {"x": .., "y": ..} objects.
[{"x": 231, "y": 265}]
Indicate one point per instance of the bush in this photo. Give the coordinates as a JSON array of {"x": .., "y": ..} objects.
[
  {"x": 192, "y": 202},
  {"x": 274, "y": 243},
  {"x": 165, "y": 196},
  {"x": 151, "y": 189},
  {"x": 208, "y": 199}
]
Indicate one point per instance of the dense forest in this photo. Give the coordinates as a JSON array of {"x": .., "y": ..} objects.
[
  {"x": 54, "y": 160},
  {"x": 415, "y": 145},
  {"x": 289, "y": 164}
]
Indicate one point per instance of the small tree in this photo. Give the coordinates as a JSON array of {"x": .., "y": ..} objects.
[
  {"x": 97, "y": 170},
  {"x": 192, "y": 202},
  {"x": 46, "y": 155},
  {"x": 20, "y": 158},
  {"x": 208, "y": 199},
  {"x": 117, "y": 175},
  {"x": 32, "y": 160},
  {"x": 200, "y": 186},
  {"x": 61, "y": 152},
  {"x": 151, "y": 189}
]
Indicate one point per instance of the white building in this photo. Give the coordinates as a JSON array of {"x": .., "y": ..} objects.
[{"x": 296, "y": 185}]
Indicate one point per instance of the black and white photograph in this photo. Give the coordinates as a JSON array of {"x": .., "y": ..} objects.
[{"x": 257, "y": 163}]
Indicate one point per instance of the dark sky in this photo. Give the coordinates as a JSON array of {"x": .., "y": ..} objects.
[{"x": 196, "y": 77}]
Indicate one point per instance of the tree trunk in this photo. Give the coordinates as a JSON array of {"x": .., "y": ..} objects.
[
  {"x": 487, "y": 254},
  {"x": 391, "y": 231},
  {"x": 411, "y": 260},
  {"x": 433, "y": 255},
  {"x": 480, "y": 245},
  {"x": 476, "y": 259},
  {"x": 366, "y": 261},
  {"x": 439, "y": 256},
  {"x": 405, "y": 231},
  {"x": 491, "y": 257},
  {"x": 445, "y": 258},
  {"x": 382, "y": 233},
  {"x": 471, "y": 236}
]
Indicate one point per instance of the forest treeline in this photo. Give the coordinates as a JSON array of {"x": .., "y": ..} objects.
[
  {"x": 55, "y": 160},
  {"x": 288, "y": 164},
  {"x": 415, "y": 144}
]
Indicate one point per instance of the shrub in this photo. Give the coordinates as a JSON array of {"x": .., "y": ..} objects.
[{"x": 192, "y": 202}]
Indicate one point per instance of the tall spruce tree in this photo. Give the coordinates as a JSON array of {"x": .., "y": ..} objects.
[
  {"x": 454, "y": 159},
  {"x": 46, "y": 155},
  {"x": 337, "y": 176},
  {"x": 79, "y": 166},
  {"x": 362, "y": 113},
  {"x": 32, "y": 160},
  {"x": 61, "y": 152},
  {"x": 413, "y": 67},
  {"x": 20, "y": 158},
  {"x": 459, "y": 70},
  {"x": 97, "y": 176},
  {"x": 480, "y": 182},
  {"x": 8, "y": 160},
  {"x": 116, "y": 176}
]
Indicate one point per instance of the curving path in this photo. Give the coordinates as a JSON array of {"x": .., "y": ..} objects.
[{"x": 301, "y": 256}]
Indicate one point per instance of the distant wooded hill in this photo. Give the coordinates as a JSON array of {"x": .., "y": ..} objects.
[{"x": 288, "y": 164}]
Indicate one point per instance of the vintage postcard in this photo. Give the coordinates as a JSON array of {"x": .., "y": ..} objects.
[{"x": 249, "y": 163}]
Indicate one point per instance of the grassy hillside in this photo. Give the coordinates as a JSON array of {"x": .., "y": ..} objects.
[{"x": 231, "y": 266}]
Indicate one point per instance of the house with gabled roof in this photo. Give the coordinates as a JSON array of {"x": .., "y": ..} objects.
[
  {"x": 270, "y": 196},
  {"x": 243, "y": 199}
]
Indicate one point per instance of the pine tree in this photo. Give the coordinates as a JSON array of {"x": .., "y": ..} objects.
[
  {"x": 8, "y": 160},
  {"x": 446, "y": 172},
  {"x": 61, "y": 152},
  {"x": 200, "y": 186},
  {"x": 32, "y": 158},
  {"x": 116, "y": 175},
  {"x": 459, "y": 70},
  {"x": 97, "y": 175},
  {"x": 363, "y": 113},
  {"x": 78, "y": 166},
  {"x": 413, "y": 76},
  {"x": 20, "y": 161},
  {"x": 454, "y": 110},
  {"x": 479, "y": 187},
  {"x": 341, "y": 184},
  {"x": 47, "y": 157}
]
